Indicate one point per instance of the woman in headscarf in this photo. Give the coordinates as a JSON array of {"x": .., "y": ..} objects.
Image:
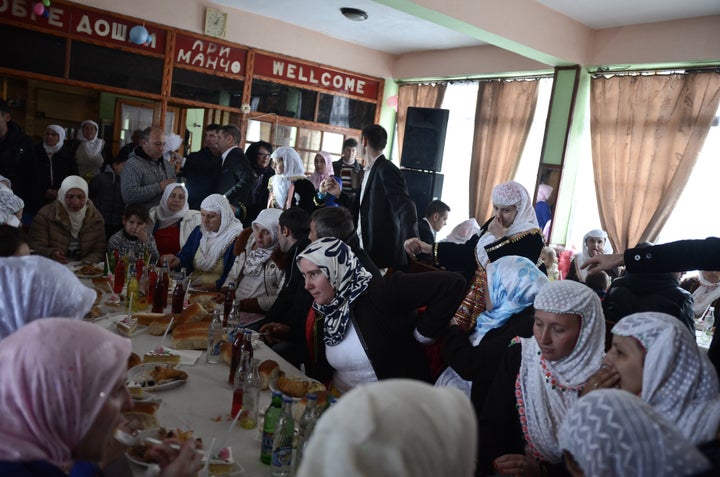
[
  {"x": 613, "y": 433},
  {"x": 653, "y": 355},
  {"x": 259, "y": 267},
  {"x": 538, "y": 381},
  {"x": 463, "y": 231},
  {"x": 71, "y": 228},
  {"x": 208, "y": 252},
  {"x": 543, "y": 211},
  {"x": 55, "y": 162},
  {"x": 707, "y": 294},
  {"x": 172, "y": 222},
  {"x": 35, "y": 287},
  {"x": 63, "y": 396},
  {"x": 513, "y": 230},
  {"x": 512, "y": 284},
  {"x": 258, "y": 153},
  {"x": 89, "y": 151},
  {"x": 323, "y": 170},
  {"x": 11, "y": 208},
  {"x": 289, "y": 187},
  {"x": 363, "y": 329},
  {"x": 398, "y": 428},
  {"x": 595, "y": 242}
]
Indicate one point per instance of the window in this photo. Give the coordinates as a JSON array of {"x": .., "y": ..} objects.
[
  {"x": 206, "y": 88},
  {"x": 282, "y": 100},
  {"x": 28, "y": 50}
]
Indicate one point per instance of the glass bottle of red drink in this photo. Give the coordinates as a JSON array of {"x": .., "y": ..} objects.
[
  {"x": 152, "y": 280},
  {"x": 139, "y": 266},
  {"x": 236, "y": 355},
  {"x": 246, "y": 345},
  {"x": 178, "y": 296},
  {"x": 165, "y": 283},
  {"x": 157, "y": 306},
  {"x": 119, "y": 277},
  {"x": 229, "y": 300},
  {"x": 243, "y": 369}
]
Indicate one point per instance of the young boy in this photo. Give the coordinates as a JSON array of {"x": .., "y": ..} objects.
[{"x": 133, "y": 237}]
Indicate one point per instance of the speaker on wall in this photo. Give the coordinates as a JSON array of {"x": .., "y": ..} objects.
[
  {"x": 424, "y": 138},
  {"x": 423, "y": 187}
]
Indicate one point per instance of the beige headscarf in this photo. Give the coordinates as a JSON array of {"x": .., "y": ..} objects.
[
  {"x": 76, "y": 218},
  {"x": 214, "y": 244},
  {"x": 394, "y": 427}
]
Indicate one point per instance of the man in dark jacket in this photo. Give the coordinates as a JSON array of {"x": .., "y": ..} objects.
[
  {"x": 638, "y": 292},
  {"x": 349, "y": 169},
  {"x": 236, "y": 177},
  {"x": 17, "y": 162},
  {"x": 202, "y": 168}
]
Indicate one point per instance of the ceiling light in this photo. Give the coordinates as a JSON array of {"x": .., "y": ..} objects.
[{"x": 354, "y": 14}]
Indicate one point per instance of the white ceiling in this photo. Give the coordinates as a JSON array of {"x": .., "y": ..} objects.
[{"x": 396, "y": 32}]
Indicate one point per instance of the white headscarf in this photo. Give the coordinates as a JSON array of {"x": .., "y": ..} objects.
[
  {"x": 549, "y": 388},
  {"x": 91, "y": 147},
  {"x": 293, "y": 169},
  {"x": 611, "y": 432},
  {"x": 165, "y": 216},
  {"x": 394, "y": 427},
  {"x": 679, "y": 381},
  {"x": 76, "y": 218},
  {"x": 57, "y": 375},
  {"x": 582, "y": 257},
  {"x": 256, "y": 258},
  {"x": 61, "y": 140},
  {"x": 172, "y": 143},
  {"x": 10, "y": 204},
  {"x": 463, "y": 231},
  {"x": 348, "y": 278},
  {"x": 213, "y": 244},
  {"x": 705, "y": 295},
  {"x": 35, "y": 287},
  {"x": 505, "y": 195}
]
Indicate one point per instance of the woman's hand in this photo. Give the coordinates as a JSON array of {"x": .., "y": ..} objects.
[
  {"x": 517, "y": 464},
  {"x": 331, "y": 186},
  {"x": 606, "y": 377},
  {"x": 601, "y": 262},
  {"x": 58, "y": 256},
  {"x": 187, "y": 462},
  {"x": 274, "y": 333},
  {"x": 172, "y": 260},
  {"x": 496, "y": 228}
]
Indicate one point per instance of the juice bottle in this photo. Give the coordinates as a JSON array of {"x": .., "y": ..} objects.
[{"x": 119, "y": 277}]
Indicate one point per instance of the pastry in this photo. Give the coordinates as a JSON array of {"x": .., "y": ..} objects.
[
  {"x": 127, "y": 325},
  {"x": 94, "y": 313},
  {"x": 191, "y": 336},
  {"x": 133, "y": 360},
  {"x": 269, "y": 371},
  {"x": 161, "y": 355},
  {"x": 208, "y": 300},
  {"x": 222, "y": 463},
  {"x": 163, "y": 374}
]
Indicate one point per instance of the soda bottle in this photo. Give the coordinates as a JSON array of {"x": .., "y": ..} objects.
[
  {"x": 271, "y": 417},
  {"x": 132, "y": 291},
  {"x": 178, "y": 298},
  {"x": 306, "y": 425},
  {"x": 251, "y": 396},
  {"x": 151, "y": 281},
  {"x": 247, "y": 342},
  {"x": 119, "y": 277},
  {"x": 165, "y": 283},
  {"x": 281, "y": 461},
  {"x": 215, "y": 332},
  {"x": 157, "y": 300},
  {"x": 709, "y": 321},
  {"x": 229, "y": 300},
  {"x": 238, "y": 381},
  {"x": 236, "y": 354}
]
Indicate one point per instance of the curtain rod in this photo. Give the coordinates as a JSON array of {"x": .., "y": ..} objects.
[
  {"x": 627, "y": 71},
  {"x": 471, "y": 79}
]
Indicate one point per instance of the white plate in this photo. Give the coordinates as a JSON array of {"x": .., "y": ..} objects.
[
  {"x": 76, "y": 266},
  {"x": 141, "y": 373}
]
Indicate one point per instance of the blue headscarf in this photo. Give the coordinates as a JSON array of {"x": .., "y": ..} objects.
[{"x": 512, "y": 283}]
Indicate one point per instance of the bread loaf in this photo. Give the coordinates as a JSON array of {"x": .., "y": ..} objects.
[
  {"x": 191, "y": 336},
  {"x": 269, "y": 370},
  {"x": 146, "y": 318},
  {"x": 133, "y": 360},
  {"x": 208, "y": 300}
]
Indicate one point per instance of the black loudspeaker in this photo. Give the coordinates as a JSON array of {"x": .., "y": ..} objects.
[
  {"x": 423, "y": 188},
  {"x": 424, "y": 138}
]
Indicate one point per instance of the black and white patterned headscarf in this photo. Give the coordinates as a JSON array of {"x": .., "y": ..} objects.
[
  {"x": 613, "y": 432},
  {"x": 348, "y": 278}
]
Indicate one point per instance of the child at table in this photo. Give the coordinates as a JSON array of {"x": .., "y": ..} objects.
[{"x": 133, "y": 238}]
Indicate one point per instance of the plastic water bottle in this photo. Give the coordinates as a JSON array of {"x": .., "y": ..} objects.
[
  {"x": 709, "y": 321},
  {"x": 280, "y": 465},
  {"x": 215, "y": 333},
  {"x": 272, "y": 414}
]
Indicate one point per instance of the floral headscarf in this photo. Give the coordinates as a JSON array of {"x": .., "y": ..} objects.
[
  {"x": 547, "y": 389},
  {"x": 679, "y": 381},
  {"x": 10, "y": 204},
  {"x": 348, "y": 278},
  {"x": 213, "y": 244},
  {"x": 57, "y": 374},
  {"x": 255, "y": 258},
  {"x": 513, "y": 282},
  {"x": 316, "y": 178},
  {"x": 613, "y": 432}
]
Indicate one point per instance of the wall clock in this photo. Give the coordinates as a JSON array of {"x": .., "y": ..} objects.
[{"x": 215, "y": 22}]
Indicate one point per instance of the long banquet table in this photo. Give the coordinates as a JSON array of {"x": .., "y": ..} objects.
[{"x": 203, "y": 403}]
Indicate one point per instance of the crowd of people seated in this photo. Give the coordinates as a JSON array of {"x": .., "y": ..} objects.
[{"x": 595, "y": 374}]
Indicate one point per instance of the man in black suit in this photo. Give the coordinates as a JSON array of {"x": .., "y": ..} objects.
[
  {"x": 436, "y": 215},
  {"x": 383, "y": 211},
  {"x": 236, "y": 177},
  {"x": 202, "y": 168}
]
